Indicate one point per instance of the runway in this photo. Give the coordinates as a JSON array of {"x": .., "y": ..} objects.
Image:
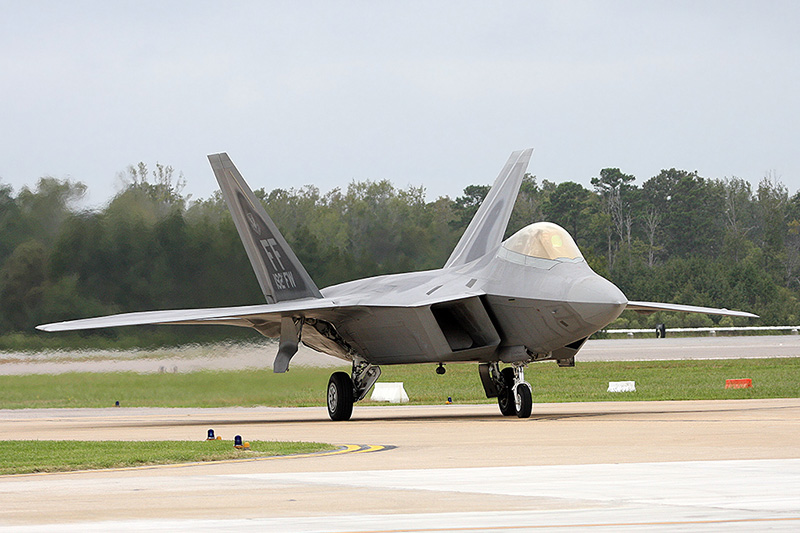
[
  {"x": 193, "y": 358},
  {"x": 656, "y": 466},
  {"x": 674, "y": 348}
]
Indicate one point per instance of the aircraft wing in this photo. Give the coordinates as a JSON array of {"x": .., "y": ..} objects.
[
  {"x": 248, "y": 316},
  {"x": 652, "y": 307},
  {"x": 261, "y": 317}
]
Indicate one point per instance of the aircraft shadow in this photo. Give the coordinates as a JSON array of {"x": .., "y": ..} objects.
[{"x": 443, "y": 416}]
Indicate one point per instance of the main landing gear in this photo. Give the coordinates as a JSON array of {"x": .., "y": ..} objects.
[
  {"x": 344, "y": 391},
  {"x": 514, "y": 393},
  {"x": 340, "y": 396}
]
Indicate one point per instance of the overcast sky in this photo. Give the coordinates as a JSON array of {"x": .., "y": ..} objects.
[{"x": 424, "y": 93}]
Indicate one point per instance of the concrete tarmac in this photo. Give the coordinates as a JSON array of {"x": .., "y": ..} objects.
[{"x": 656, "y": 466}]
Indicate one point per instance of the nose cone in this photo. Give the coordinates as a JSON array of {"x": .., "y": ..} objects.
[{"x": 596, "y": 300}]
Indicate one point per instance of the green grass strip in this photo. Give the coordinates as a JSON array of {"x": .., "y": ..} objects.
[
  {"x": 24, "y": 457},
  {"x": 655, "y": 380},
  {"x": 588, "y": 382}
]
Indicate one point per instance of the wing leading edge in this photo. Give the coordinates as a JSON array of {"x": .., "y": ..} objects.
[
  {"x": 652, "y": 307},
  {"x": 254, "y": 315},
  {"x": 248, "y": 316}
]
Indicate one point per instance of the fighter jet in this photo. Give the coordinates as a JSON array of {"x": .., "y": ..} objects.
[{"x": 529, "y": 298}]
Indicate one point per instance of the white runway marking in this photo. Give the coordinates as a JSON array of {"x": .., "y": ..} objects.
[
  {"x": 702, "y": 495},
  {"x": 772, "y": 485},
  {"x": 489, "y": 522}
]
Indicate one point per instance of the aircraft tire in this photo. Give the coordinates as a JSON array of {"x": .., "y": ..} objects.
[
  {"x": 340, "y": 396},
  {"x": 524, "y": 401},
  {"x": 506, "y": 397}
]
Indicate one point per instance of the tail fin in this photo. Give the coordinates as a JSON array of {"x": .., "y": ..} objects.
[
  {"x": 487, "y": 227},
  {"x": 277, "y": 268}
]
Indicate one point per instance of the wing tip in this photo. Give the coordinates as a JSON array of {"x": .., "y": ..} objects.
[{"x": 653, "y": 307}]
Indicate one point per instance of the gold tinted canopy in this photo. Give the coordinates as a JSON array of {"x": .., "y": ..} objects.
[{"x": 544, "y": 240}]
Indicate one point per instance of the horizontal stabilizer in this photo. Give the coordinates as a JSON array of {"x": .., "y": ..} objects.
[{"x": 652, "y": 307}]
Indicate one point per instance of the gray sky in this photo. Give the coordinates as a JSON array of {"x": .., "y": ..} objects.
[{"x": 424, "y": 93}]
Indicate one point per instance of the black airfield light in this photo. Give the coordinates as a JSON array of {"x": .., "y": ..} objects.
[{"x": 239, "y": 445}]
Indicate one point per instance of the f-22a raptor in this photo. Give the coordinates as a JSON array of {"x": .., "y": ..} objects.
[{"x": 529, "y": 298}]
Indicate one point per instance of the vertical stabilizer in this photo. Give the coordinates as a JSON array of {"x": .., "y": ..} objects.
[
  {"x": 277, "y": 268},
  {"x": 487, "y": 227}
]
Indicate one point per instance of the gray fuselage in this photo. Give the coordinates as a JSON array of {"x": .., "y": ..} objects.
[{"x": 522, "y": 309}]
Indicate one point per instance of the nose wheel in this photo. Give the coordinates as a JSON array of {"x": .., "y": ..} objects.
[
  {"x": 505, "y": 397},
  {"x": 524, "y": 400},
  {"x": 515, "y": 397}
]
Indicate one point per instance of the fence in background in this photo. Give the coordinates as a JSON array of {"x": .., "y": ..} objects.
[{"x": 711, "y": 331}]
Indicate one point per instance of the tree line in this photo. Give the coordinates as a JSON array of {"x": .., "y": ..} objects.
[{"x": 676, "y": 237}]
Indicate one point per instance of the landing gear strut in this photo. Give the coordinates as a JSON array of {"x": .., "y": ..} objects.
[{"x": 344, "y": 391}]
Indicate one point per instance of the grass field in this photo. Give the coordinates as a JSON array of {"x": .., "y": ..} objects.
[
  {"x": 22, "y": 457},
  {"x": 655, "y": 380}
]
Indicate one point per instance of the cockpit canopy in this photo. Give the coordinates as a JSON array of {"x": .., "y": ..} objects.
[{"x": 544, "y": 240}]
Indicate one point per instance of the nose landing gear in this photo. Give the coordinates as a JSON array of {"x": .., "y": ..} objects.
[
  {"x": 514, "y": 396},
  {"x": 505, "y": 394},
  {"x": 441, "y": 369}
]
